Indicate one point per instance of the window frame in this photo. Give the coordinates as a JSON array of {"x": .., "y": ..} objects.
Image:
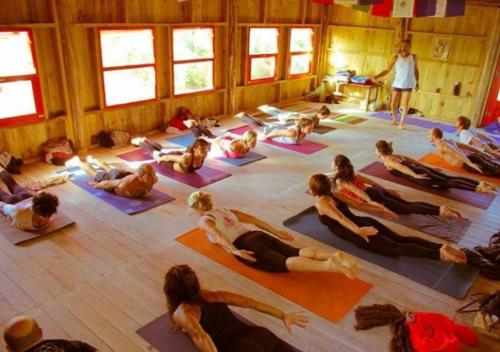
[
  {"x": 293, "y": 53},
  {"x": 125, "y": 67},
  {"x": 174, "y": 62},
  {"x": 250, "y": 57},
  {"x": 39, "y": 114}
]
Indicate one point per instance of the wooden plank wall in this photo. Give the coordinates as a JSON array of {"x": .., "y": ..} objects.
[
  {"x": 87, "y": 15},
  {"x": 364, "y": 43}
]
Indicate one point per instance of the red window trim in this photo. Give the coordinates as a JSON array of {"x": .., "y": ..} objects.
[
  {"x": 293, "y": 53},
  {"x": 35, "y": 84},
  {"x": 126, "y": 67},
  {"x": 250, "y": 57},
  {"x": 176, "y": 62}
]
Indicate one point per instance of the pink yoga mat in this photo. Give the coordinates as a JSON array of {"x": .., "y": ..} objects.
[
  {"x": 305, "y": 146},
  {"x": 478, "y": 200},
  {"x": 202, "y": 177}
]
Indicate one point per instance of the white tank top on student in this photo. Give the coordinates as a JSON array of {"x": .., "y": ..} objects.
[
  {"x": 227, "y": 223},
  {"x": 404, "y": 77},
  {"x": 286, "y": 139}
]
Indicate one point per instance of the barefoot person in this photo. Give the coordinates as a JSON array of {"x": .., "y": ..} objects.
[
  {"x": 180, "y": 160},
  {"x": 285, "y": 135},
  {"x": 234, "y": 146},
  {"x": 361, "y": 192},
  {"x": 263, "y": 250},
  {"x": 368, "y": 233},
  {"x": 28, "y": 211},
  {"x": 414, "y": 171},
  {"x": 473, "y": 137},
  {"x": 290, "y": 117},
  {"x": 121, "y": 182},
  {"x": 205, "y": 316},
  {"x": 405, "y": 80},
  {"x": 467, "y": 157}
]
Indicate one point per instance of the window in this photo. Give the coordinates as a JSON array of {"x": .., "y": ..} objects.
[
  {"x": 128, "y": 65},
  {"x": 20, "y": 94},
  {"x": 301, "y": 49},
  {"x": 262, "y": 54},
  {"x": 193, "y": 59}
]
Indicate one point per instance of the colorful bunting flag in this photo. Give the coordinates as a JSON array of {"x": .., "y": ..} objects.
[
  {"x": 449, "y": 8},
  {"x": 403, "y": 8},
  {"x": 383, "y": 9},
  {"x": 425, "y": 8}
]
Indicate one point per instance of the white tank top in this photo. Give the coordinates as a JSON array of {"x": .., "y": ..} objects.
[
  {"x": 404, "y": 77},
  {"x": 287, "y": 139},
  {"x": 227, "y": 223}
]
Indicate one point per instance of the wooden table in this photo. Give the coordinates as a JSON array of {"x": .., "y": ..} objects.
[{"x": 369, "y": 88}]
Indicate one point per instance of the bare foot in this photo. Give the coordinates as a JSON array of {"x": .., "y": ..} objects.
[
  {"x": 137, "y": 141},
  {"x": 485, "y": 187},
  {"x": 446, "y": 212},
  {"x": 401, "y": 127},
  {"x": 450, "y": 254},
  {"x": 394, "y": 122},
  {"x": 345, "y": 264}
]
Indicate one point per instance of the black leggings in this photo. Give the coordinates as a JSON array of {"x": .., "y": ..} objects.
[
  {"x": 489, "y": 167},
  {"x": 399, "y": 205},
  {"x": 200, "y": 130},
  {"x": 270, "y": 252},
  {"x": 258, "y": 339},
  {"x": 18, "y": 193},
  {"x": 437, "y": 179}
]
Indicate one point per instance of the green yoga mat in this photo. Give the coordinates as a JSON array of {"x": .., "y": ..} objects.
[{"x": 352, "y": 120}]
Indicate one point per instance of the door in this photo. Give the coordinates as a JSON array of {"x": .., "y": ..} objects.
[{"x": 492, "y": 110}]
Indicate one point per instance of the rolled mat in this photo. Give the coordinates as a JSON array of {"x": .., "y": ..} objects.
[
  {"x": 305, "y": 146},
  {"x": 330, "y": 295},
  {"x": 410, "y": 120},
  {"x": 16, "y": 236},
  {"x": 161, "y": 335},
  {"x": 250, "y": 157},
  {"x": 434, "y": 160},
  {"x": 451, "y": 279},
  {"x": 200, "y": 178},
  {"x": 478, "y": 200},
  {"x": 129, "y": 206},
  {"x": 352, "y": 120}
]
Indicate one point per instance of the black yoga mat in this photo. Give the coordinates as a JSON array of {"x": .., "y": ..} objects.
[
  {"x": 160, "y": 335},
  {"x": 451, "y": 279}
]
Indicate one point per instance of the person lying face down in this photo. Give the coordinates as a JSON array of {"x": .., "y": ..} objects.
[
  {"x": 475, "y": 138},
  {"x": 204, "y": 315},
  {"x": 27, "y": 210},
  {"x": 23, "y": 334},
  {"x": 263, "y": 249},
  {"x": 286, "y": 135},
  {"x": 369, "y": 234},
  {"x": 465, "y": 156},
  {"x": 416, "y": 172},
  {"x": 180, "y": 160},
  {"x": 285, "y": 117},
  {"x": 363, "y": 193},
  {"x": 235, "y": 146},
  {"x": 121, "y": 182}
]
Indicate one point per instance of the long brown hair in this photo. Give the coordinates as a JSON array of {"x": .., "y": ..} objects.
[
  {"x": 198, "y": 142},
  {"x": 320, "y": 185},
  {"x": 181, "y": 286},
  {"x": 384, "y": 147},
  {"x": 345, "y": 170}
]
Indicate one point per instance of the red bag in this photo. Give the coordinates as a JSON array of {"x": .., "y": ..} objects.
[{"x": 57, "y": 151}]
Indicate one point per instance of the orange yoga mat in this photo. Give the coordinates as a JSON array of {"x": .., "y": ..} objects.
[
  {"x": 435, "y": 160},
  {"x": 329, "y": 295}
]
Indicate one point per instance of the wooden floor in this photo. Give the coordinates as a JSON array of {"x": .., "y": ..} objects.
[{"x": 102, "y": 280}]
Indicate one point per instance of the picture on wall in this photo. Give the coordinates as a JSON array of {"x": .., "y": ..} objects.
[{"x": 441, "y": 48}]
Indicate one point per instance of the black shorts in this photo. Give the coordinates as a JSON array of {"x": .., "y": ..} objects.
[
  {"x": 396, "y": 89},
  {"x": 113, "y": 174},
  {"x": 270, "y": 252}
]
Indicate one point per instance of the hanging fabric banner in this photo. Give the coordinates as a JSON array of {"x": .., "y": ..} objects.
[
  {"x": 425, "y": 8},
  {"x": 449, "y": 8},
  {"x": 403, "y": 8},
  {"x": 383, "y": 9}
]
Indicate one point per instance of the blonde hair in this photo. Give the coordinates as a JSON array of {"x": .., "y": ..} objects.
[
  {"x": 304, "y": 122},
  {"x": 249, "y": 136},
  {"x": 200, "y": 200},
  {"x": 146, "y": 169}
]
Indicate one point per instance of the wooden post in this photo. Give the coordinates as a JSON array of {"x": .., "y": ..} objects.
[
  {"x": 324, "y": 44},
  {"x": 232, "y": 32},
  {"x": 489, "y": 67},
  {"x": 62, "y": 9}
]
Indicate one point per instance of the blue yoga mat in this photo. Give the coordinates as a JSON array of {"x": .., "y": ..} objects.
[
  {"x": 129, "y": 206},
  {"x": 384, "y": 115},
  {"x": 451, "y": 279},
  {"x": 186, "y": 140}
]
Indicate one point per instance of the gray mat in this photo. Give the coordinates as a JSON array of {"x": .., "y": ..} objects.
[
  {"x": 451, "y": 279},
  {"x": 160, "y": 335}
]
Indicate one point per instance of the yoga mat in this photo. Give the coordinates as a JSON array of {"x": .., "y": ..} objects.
[
  {"x": 451, "y": 279},
  {"x": 435, "y": 160},
  {"x": 16, "y": 236},
  {"x": 160, "y": 335},
  {"x": 352, "y": 120},
  {"x": 200, "y": 178},
  {"x": 305, "y": 146},
  {"x": 184, "y": 139},
  {"x": 322, "y": 129},
  {"x": 330, "y": 295},
  {"x": 409, "y": 120},
  {"x": 129, "y": 206},
  {"x": 478, "y": 200}
]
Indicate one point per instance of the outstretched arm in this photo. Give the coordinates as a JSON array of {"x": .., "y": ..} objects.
[
  {"x": 289, "y": 132},
  {"x": 459, "y": 155},
  {"x": 188, "y": 323},
  {"x": 388, "y": 68},
  {"x": 208, "y": 225},
  {"x": 396, "y": 165},
  {"x": 106, "y": 184},
  {"x": 250, "y": 219}
]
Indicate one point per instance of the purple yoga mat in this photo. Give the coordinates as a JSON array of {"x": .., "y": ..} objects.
[
  {"x": 493, "y": 129},
  {"x": 305, "y": 146},
  {"x": 129, "y": 206},
  {"x": 416, "y": 122},
  {"x": 202, "y": 177},
  {"x": 160, "y": 334},
  {"x": 478, "y": 200}
]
